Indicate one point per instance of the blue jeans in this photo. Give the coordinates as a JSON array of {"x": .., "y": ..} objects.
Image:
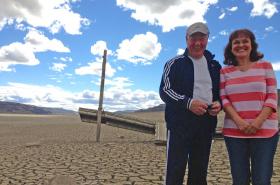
[{"x": 259, "y": 152}]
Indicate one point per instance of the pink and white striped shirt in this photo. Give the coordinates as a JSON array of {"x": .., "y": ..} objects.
[{"x": 248, "y": 92}]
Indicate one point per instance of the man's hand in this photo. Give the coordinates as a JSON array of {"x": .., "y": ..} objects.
[
  {"x": 198, "y": 107},
  {"x": 215, "y": 108}
]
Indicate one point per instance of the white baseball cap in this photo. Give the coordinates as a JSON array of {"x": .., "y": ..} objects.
[{"x": 198, "y": 27}]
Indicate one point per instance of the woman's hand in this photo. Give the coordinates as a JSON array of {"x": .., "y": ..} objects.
[
  {"x": 249, "y": 128},
  {"x": 255, "y": 126},
  {"x": 244, "y": 126}
]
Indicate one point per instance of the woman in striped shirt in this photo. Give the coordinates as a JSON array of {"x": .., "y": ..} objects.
[{"x": 249, "y": 96}]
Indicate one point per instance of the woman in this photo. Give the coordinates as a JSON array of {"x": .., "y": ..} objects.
[{"x": 249, "y": 97}]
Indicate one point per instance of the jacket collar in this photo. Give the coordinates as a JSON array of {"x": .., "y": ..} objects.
[{"x": 208, "y": 55}]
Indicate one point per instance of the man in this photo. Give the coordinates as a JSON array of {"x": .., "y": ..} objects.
[{"x": 190, "y": 90}]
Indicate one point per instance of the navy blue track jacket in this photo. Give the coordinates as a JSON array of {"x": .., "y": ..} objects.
[{"x": 176, "y": 90}]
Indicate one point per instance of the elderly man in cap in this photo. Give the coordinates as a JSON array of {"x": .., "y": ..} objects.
[{"x": 190, "y": 90}]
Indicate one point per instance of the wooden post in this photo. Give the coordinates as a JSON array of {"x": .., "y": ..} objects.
[
  {"x": 161, "y": 133},
  {"x": 99, "y": 113}
]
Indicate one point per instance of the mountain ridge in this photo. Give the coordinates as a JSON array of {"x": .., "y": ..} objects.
[
  {"x": 157, "y": 108},
  {"x": 20, "y": 108}
]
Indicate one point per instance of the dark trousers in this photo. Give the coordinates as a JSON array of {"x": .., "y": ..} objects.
[{"x": 188, "y": 147}]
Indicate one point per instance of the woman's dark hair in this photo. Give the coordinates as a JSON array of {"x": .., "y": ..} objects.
[{"x": 254, "y": 55}]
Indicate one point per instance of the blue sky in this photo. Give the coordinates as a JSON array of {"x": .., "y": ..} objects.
[{"x": 51, "y": 51}]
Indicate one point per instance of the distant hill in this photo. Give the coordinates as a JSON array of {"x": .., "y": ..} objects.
[
  {"x": 18, "y": 108},
  {"x": 157, "y": 108}
]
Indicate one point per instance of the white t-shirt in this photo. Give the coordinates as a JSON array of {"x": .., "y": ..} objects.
[{"x": 202, "y": 81}]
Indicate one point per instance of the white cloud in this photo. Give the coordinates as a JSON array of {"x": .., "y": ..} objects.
[
  {"x": 115, "y": 98},
  {"x": 120, "y": 68},
  {"x": 276, "y": 66},
  {"x": 263, "y": 7},
  {"x": 269, "y": 28},
  {"x": 58, "y": 67},
  {"x": 180, "y": 51},
  {"x": 211, "y": 38},
  {"x": 228, "y": 11},
  {"x": 24, "y": 53},
  {"x": 40, "y": 43},
  {"x": 20, "y": 27},
  {"x": 76, "y": 1},
  {"x": 66, "y": 59},
  {"x": 2, "y": 24},
  {"x": 99, "y": 47},
  {"x": 14, "y": 54},
  {"x": 51, "y": 14},
  {"x": 119, "y": 82},
  {"x": 223, "y": 32},
  {"x": 141, "y": 48},
  {"x": 233, "y": 9},
  {"x": 48, "y": 95},
  {"x": 168, "y": 14},
  {"x": 222, "y": 15},
  {"x": 127, "y": 99},
  {"x": 95, "y": 68}
]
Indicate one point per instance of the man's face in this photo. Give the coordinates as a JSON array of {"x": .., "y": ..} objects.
[{"x": 197, "y": 43}]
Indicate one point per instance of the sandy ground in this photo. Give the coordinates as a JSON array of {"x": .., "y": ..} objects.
[
  {"x": 17, "y": 130},
  {"x": 35, "y": 149}
]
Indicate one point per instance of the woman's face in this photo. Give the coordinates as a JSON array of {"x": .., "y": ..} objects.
[{"x": 241, "y": 47}]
